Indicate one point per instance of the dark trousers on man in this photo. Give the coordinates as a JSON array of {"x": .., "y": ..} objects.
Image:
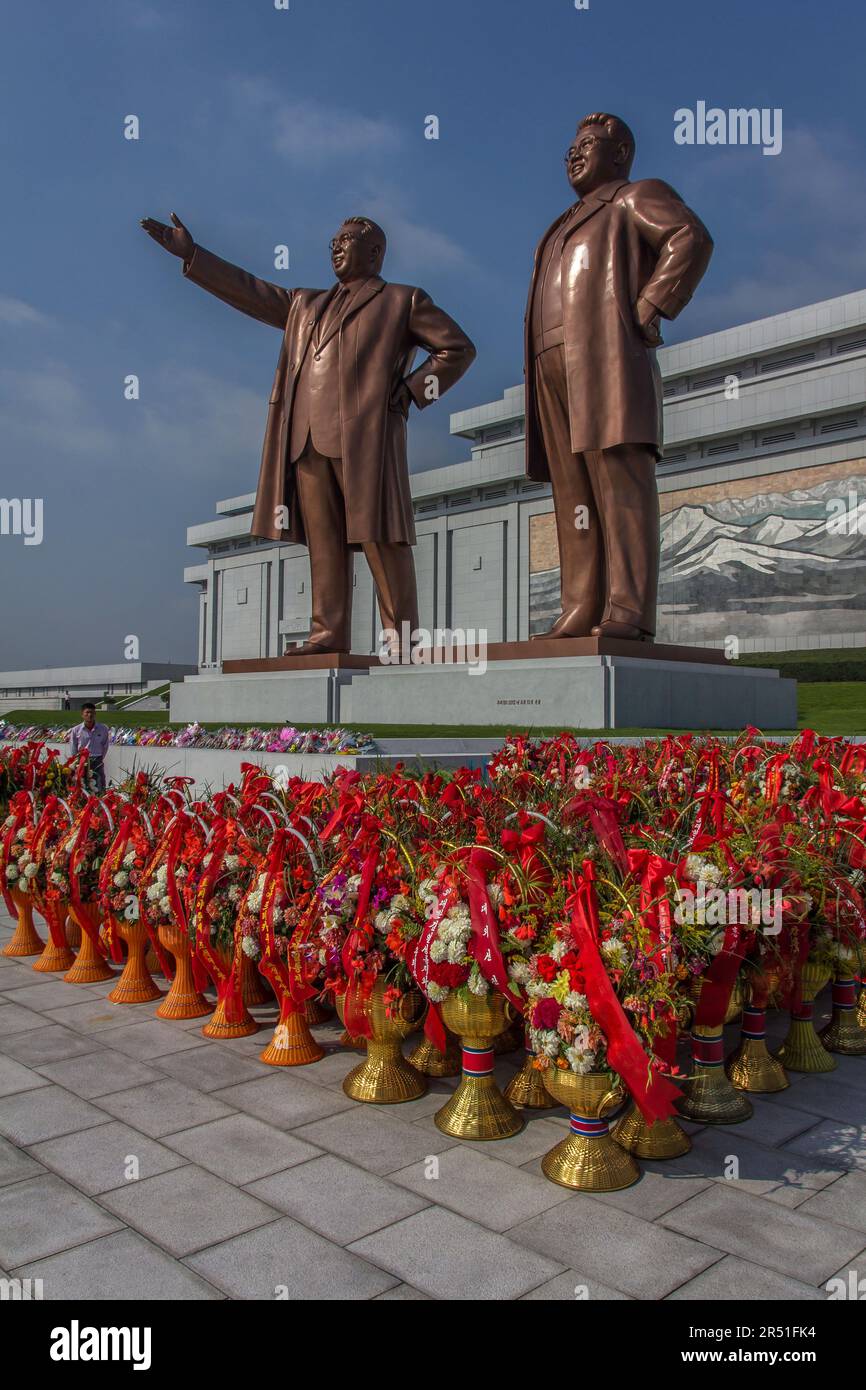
[
  {"x": 607, "y": 516},
  {"x": 321, "y": 498}
]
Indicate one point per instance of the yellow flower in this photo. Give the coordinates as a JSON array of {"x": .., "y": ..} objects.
[{"x": 560, "y": 987}]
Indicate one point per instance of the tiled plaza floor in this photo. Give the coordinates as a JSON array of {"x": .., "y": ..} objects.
[{"x": 139, "y": 1160}]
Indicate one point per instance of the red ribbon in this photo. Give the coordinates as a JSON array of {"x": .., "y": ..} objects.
[{"x": 652, "y": 1093}]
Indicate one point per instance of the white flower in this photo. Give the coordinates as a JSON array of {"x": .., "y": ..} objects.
[
  {"x": 232, "y": 861},
  {"x": 550, "y": 1042},
  {"x": 579, "y": 1061},
  {"x": 436, "y": 993},
  {"x": 165, "y": 907},
  {"x": 701, "y": 870},
  {"x": 477, "y": 983},
  {"x": 559, "y": 949},
  {"x": 582, "y": 778},
  {"x": 129, "y": 859},
  {"x": 250, "y": 947},
  {"x": 154, "y": 893},
  {"x": 518, "y": 970},
  {"x": 31, "y": 870},
  {"x": 11, "y": 872},
  {"x": 234, "y": 893},
  {"x": 576, "y": 1002},
  {"x": 120, "y": 879},
  {"x": 280, "y": 777},
  {"x": 438, "y": 951}
]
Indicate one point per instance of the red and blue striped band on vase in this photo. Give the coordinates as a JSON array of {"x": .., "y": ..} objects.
[
  {"x": 844, "y": 994},
  {"x": 589, "y": 1129},
  {"x": 754, "y": 1024},
  {"x": 804, "y": 1013},
  {"x": 708, "y": 1051},
  {"x": 477, "y": 1061}
]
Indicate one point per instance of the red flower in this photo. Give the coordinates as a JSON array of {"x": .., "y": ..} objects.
[
  {"x": 545, "y": 1013},
  {"x": 547, "y": 968},
  {"x": 448, "y": 975}
]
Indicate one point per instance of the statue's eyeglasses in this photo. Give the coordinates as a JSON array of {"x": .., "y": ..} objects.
[
  {"x": 345, "y": 240},
  {"x": 585, "y": 145}
]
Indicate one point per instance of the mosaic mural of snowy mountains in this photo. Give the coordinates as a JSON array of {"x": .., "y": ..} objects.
[{"x": 766, "y": 558}]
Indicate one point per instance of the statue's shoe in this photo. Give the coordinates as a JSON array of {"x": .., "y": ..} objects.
[
  {"x": 624, "y": 630},
  {"x": 316, "y": 649}
]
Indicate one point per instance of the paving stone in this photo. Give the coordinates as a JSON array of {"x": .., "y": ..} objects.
[
  {"x": 15, "y": 1019},
  {"x": 16, "y": 972},
  {"x": 97, "y": 1160},
  {"x": 287, "y": 1256},
  {"x": 241, "y": 1149},
  {"x": 438, "y": 1093},
  {"x": 15, "y": 1164},
  {"x": 446, "y": 1256},
  {"x": 121, "y": 1267},
  {"x": 375, "y": 1141},
  {"x": 93, "y": 1015},
  {"x": 153, "y": 1038},
  {"x": 332, "y": 1070},
  {"x": 773, "y": 1120},
  {"x": 163, "y": 1107},
  {"x": 767, "y": 1172},
  {"x": 538, "y": 1136},
  {"x": 41, "y": 1114},
  {"x": 50, "y": 1043},
  {"x": 853, "y": 1277},
  {"x": 616, "y": 1248},
  {"x": 572, "y": 1287},
  {"x": 480, "y": 1186},
  {"x": 14, "y": 1077},
  {"x": 733, "y": 1280},
  {"x": 337, "y": 1199},
  {"x": 401, "y": 1293},
  {"x": 284, "y": 1099},
  {"x": 45, "y": 1215},
  {"x": 658, "y": 1190},
  {"x": 843, "y": 1146},
  {"x": 764, "y": 1233},
  {"x": 830, "y": 1097},
  {"x": 43, "y": 993},
  {"x": 211, "y": 1068},
  {"x": 187, "y": 1209},
  {"x": 252, "y": 1044},
  {"x": 844, "y": 1201},
  {"x": 98, "y": 1073}
]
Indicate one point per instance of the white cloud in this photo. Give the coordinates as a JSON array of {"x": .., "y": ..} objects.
[
  {"x": 17, "y": 311},
  {"x": 812, "y": 194},
  {"x": 305, "y": 132}
]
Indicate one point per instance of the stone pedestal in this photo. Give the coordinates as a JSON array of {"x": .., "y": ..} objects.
[{"x": 586, "y": 683}]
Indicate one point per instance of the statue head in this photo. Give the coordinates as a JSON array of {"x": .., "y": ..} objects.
[
  {"x": 602, "y": 151},
  {"x": 358, "y": 249}
]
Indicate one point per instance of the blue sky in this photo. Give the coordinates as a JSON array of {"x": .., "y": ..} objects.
[{"x": 262, "y": 127}]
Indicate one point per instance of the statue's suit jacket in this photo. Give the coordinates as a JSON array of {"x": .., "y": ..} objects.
[
  {"x": 379, "y": 334},
  {"x": 625, "y": 240}
]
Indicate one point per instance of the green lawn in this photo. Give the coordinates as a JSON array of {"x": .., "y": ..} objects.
[{"x": 830, "y": 707}]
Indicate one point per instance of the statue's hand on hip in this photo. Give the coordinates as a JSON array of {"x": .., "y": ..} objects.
[
  {"x": 401, "y": 399},
  {"x": 647, "y": 316},
  {"x": 175, "y": 239}
]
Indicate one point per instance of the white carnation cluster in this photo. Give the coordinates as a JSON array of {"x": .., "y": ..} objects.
[
  {"x": 157, "y": 891},
  {"x": 702, "y": 870}
]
